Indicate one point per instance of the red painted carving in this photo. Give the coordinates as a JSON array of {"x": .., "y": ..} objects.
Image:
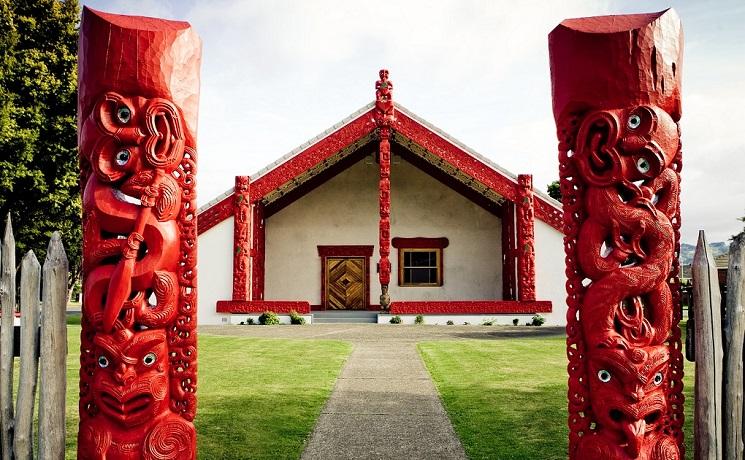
[
  {"x": 384, "y": 117},
  {"x": 260, "y": 306},
  {"x": 469, "y": 307},
  {"x": 616, "y": 94},
  {"x": 258, "y": 253},
  {"x": 509, "y": 262},
  {"x": 242, "y": 238},
  {"x": 138, "y": 95},
  {"x": 525, "y": 238}
]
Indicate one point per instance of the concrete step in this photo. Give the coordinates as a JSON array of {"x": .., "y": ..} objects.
[{"x": 345, "y": 316}]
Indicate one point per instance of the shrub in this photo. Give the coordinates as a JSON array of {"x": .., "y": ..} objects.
[
  {"x": 466, "y": 323},
  {"x": 269, "y": 318},
  {"x": 538, "y": 320},
  {"x": 295, "y": 318},
  {"x": 487, "y": 323},
  {"x": 242, "y": 323},
  {"x": 450, "y": 322},
  {"x": 419, "y": 319},
  {"x": 250, "y": 322},
  {"x": 396, "y": 320},
  {"x": 516, "y": 321}
]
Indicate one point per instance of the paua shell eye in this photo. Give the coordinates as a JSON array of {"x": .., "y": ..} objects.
[
  {"x": 149, "y": 359},
  {"x": 634, "y": 121},
  {"x": 642, "y": 165},
  {"x": 122, "y": 157},
  {"x": 604, "y": 376},
  {"x": 123, "y": 114},
  {"x": 657, "y": 379},
  {"x": 103, "y": 361}
]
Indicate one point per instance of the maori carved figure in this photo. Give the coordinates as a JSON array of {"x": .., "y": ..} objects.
[
  {"x": 616, "y": 90},
  {"x": 526, "y": 238},
  {"x": 384, "y": 117},
  {"x": 242, "y": 238},
  {"x": 137, "y": 107}
]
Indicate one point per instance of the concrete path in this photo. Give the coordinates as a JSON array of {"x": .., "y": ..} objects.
[{"x": 384, "y": 404}]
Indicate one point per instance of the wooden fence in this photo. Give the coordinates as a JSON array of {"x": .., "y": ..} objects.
[
  {"x": 719, "y": 334},
  {"x": 43, "y": 346}
]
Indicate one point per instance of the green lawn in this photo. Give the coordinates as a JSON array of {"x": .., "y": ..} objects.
[
  {"x": 258, "y": 398},
  {"x": 507, "y": 398}
]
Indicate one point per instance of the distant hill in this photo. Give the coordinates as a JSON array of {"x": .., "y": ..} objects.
[{"x": 687, "y": 250}]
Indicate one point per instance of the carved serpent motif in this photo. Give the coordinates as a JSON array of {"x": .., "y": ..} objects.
[{"x": 621, "y": 198}]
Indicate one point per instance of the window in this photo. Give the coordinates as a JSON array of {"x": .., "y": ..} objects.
[{"x": 420, "y": 267}]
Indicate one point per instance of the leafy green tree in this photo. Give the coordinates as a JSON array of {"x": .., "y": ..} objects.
[
  {"x": 38, "y": 141},
  {"x": 554, "y": 190}
]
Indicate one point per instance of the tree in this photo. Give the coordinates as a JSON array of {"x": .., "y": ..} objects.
[
  {"x": 38, "y": 133},
  {"x": 554, "y": 190}
]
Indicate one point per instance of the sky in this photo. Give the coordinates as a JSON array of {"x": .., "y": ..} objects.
[{"x": 277, "y": 73}]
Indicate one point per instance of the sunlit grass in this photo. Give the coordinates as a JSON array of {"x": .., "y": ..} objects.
[
  {"x": 258, "y": 398},
  {"x": 507, "y": 399}
]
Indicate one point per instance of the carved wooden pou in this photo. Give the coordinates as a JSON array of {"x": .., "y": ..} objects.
[
  {"x": 384, "y": 118},
  {"x": 616, "y": 99},
  {"x": 137, "y": 117}
]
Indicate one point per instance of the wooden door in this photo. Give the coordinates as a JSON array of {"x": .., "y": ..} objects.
[{"x": 345, "y": 283}]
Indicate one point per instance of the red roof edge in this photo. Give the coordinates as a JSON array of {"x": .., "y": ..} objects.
[{"x": 410, "y": 126}]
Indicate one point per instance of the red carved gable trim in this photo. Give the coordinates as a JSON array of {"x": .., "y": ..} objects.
[
  {"x": 363, "y": 126},
  {"x": 420, "y": 242},
  {"x": 215, "y": 214}
]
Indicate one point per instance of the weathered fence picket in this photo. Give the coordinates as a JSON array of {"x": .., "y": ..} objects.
[
  {"x": 43, "y": 345},
  {"x": 8, "y": 300},
  {"x": 708, "y": 351},
  {"x": 53, "y": 352},
  {"x": 734, "y": 334},
  {"x": 30, "y": 294}
]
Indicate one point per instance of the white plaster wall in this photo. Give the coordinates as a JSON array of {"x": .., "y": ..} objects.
[
  {"x": 215, "y": 271},
  {"x": 550, "y": 280},
  {"x": 344, "y": 211}
]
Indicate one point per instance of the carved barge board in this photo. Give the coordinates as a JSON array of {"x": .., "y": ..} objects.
[
  {"x": 616, "y": 101},
  {"x": 137, "y": 120}
]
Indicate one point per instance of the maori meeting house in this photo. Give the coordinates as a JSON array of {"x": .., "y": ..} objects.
[{"x": 462, "y": 239}]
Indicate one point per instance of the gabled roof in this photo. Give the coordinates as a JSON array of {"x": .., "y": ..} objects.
[{"x": 342, "y": 141}]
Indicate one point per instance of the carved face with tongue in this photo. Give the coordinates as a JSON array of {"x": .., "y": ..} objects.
[
  {"x": 130, "y": 383},
  {"x": 627, "y": 387}
]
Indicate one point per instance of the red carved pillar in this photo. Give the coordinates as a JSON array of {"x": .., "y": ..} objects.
[
  {"x": 258, "y": 252},
  {"x": 137, "y": 118},
  {"x": 525, "y": 215},
  {"x": 616, "y": 99},
  {"x": 242, "y": 224},
  {"x": 384, "y": 117},
  {"x": 509, "y": 266}
]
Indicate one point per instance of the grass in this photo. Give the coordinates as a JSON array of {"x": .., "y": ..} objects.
[
  {"x": 258, "y": 398},
  {"x": 507, "y": 398}
]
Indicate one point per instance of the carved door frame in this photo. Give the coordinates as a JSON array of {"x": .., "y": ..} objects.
[{"x": 354, "y": 251}]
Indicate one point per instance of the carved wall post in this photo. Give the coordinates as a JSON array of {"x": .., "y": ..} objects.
[
  {"x": 616, "y": 100},
  {"x": 258, "y": 252},
  {"x": 509, "y": 284},
  {"x": 525, "y": 238},
  {"x": 242, "y": 226},
  {"x": 384, "y": 117},
  {"x": 137, "y": 115}
]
